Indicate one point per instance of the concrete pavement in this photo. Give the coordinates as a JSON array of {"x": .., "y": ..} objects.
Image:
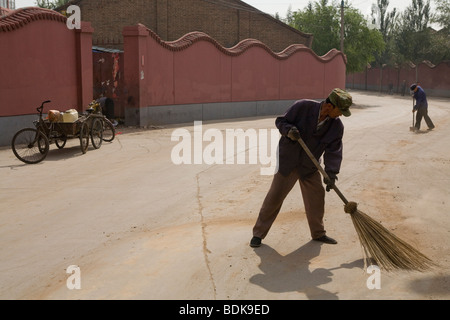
[{"x": 139, "y": 226}]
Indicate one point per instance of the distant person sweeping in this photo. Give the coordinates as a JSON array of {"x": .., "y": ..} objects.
[
  {"x": 421, "y": 107},
  {"x": 318, "y": 124}
]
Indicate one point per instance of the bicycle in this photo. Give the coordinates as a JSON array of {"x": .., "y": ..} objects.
[
  {"x": 31, "y": 145},
  {"x": 109, "y": 131}
]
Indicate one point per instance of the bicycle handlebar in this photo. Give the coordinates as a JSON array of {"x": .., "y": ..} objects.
[{"x": 42, "y": 106}]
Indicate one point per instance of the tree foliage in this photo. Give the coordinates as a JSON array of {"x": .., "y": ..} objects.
[
  {"x": 397, "y": 38},
  {"x": 51, "y": 4},
  {"x": 384, "y": 21},
  {"x": 412, "y": 35},
  {"x": 442, "y": 16},
  {"x": 323, "y": 21},
  {"x": 361, "y": 44}
]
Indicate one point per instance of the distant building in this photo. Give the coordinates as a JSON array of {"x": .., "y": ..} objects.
[{"x": 226, "y": 21}]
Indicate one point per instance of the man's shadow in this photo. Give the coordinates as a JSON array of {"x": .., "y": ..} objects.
[{"x": 291, "y": 273}]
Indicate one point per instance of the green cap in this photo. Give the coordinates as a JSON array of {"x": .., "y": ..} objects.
[{"x": 341, "y": 99}]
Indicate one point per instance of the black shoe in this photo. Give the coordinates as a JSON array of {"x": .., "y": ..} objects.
[
  {"x": 326, "y": 239},
  {"x": 255, "y": 242}
]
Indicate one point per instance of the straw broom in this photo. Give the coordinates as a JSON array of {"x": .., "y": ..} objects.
[{"x": 387, "y": 250}]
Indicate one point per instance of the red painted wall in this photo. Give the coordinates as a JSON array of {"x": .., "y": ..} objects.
[
  {"x": 200, "y": 75},
  {"x": 41, "y": 59},
  {"x": 196, "y": 69},
  {"x": 437, "y": 77},
  {"x": 434, "y": 79}
]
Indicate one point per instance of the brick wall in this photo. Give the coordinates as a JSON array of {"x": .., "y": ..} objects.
[{"x": 227, "y": 21}]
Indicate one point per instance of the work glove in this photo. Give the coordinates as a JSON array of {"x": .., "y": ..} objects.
[
  {"x": 293, "y": 134},
  {"x": 332, "y": 177}
]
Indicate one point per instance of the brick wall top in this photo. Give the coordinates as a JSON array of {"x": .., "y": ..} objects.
[
  {"x": 20, "y": 17},
  {"x": 4, "y": 11},
  {"x": 411, "y": 65},
  {"x": 227, "y": 21},
  {"x": 195, "y": 36}
]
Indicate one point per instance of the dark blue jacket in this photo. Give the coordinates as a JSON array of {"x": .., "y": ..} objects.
[
  {"x": 327, "y": 141},
  {"x": 421, "y": 99}
]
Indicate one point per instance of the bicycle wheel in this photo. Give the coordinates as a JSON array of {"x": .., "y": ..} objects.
[
  {"x": 109, "y": 132},
  {"x": 42, "y": 144},
  {"x": 97, "y": 133},
  {"x": 30, "y": 145},
  {"x": 60, "y": 141},
  {"x": 84, "y": 137}
]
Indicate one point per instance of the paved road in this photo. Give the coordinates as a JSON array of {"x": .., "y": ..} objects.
[{"x": 140, "y": 226}]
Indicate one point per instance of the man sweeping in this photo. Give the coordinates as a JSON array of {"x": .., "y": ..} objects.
[
  {"x": 421, "y": 107},
  {"x": 318, "y": 124}
]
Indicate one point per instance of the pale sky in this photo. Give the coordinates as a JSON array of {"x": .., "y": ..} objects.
[{"x": 281, "y": 6}]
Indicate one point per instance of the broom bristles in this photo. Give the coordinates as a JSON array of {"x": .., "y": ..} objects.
[{"x": 387, "y": 250}]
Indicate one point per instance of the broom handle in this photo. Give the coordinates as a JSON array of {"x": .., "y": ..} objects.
[{"x": 322, "y": 171}]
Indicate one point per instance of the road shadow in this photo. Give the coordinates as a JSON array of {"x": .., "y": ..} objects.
[
  {"x": 365, "y": 106},
  {"x": 421, "y": 131},
  {"x": 437, "y": 286},
  {"x": 291, "y": 273},
  {"x": 55, "y": 154}
]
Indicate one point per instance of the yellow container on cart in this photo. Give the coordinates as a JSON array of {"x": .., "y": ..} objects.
[{"x": 70, "y": 115}]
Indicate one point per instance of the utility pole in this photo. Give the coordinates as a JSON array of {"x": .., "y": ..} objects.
[{"x": 342, "y": 26}]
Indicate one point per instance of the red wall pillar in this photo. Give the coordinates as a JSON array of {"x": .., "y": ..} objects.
[
  {"x": 135, "y": 53},
  {"x": 84, "y": 65}
]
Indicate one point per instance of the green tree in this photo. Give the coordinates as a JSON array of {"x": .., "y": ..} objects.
[
  {"x": 384, "y": 18},
  {"x": 384, "y": 21},
  {"x": 412, "y": 36},
  {"x": 361, "y": 44},
  {"x": 323, "y": 21},
  {"x": 439, "y": 47},
  {"x": 289, "y": 16},
  {"x": 442, "y": 16},
  {"x": 51, "y": 4}
]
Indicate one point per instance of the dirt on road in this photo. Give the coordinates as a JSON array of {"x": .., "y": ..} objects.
[{"x": 137, "y": 225}]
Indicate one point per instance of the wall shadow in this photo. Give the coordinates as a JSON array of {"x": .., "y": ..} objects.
[{"x": 291, "y": 273}]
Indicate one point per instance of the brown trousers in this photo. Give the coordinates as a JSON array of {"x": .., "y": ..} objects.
[{"x": 313, "y": 194}]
